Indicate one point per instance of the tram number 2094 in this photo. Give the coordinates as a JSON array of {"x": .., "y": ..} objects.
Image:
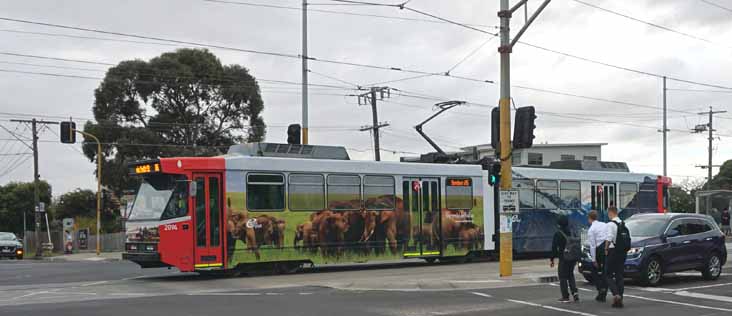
[{"x": 170, "y": 227}]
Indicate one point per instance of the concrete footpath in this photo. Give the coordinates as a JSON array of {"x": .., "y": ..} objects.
[{"x": 85, "y": 256}]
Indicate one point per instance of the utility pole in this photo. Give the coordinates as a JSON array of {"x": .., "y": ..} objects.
[
  {"x": 710, "y": 128},
  {"x": 370, "y": 98},
  {"x": 505, "y": 13},
  {"x": 304, "y": 72},
  {"x": 665, "y": 131},
  {"x": 36, "y": 178}
]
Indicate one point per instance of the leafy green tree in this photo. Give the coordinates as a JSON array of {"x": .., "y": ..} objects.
[
  {"x": 82, "y": 203},
  {"x": 16, "y": 198},
  {"x": 723, "y": 179},
  {"x": 182, "y": 103}
]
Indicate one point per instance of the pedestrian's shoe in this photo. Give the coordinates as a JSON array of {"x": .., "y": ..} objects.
[
  {"x": 620, "y": 302},
  {"x": 575, "y": 296},
  {"x": 616, "y": 302},
  {"x": 601, "y": 297},
  {"x": 563, "y": 300}
]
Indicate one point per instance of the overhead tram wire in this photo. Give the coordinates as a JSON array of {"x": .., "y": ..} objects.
[
  {"x": 335, "y": 12},
  {"x": 717, "y": 5},
  {"x": 658, "y": 26},
  {"x": 585, "y": 59},
  {"x": 322, "y": 85},
  {"x": 403, "y": 6},
  {"x": 242, "y": 50}
]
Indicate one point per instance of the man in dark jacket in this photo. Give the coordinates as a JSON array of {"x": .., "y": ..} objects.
[
  {"x": 725, "y": 219},
  {"x": 566, "y": 268}
]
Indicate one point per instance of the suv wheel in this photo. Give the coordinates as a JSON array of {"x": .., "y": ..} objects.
[
  {"x": 652, "y": 272},
  {"x": 713, "y": 267}
]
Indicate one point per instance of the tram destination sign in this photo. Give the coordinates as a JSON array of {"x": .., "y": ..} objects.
[
  {"x": 509, "y": 201},
  {"x": 145, "y": 168}
]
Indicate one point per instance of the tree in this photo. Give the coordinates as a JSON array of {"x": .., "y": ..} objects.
[
  {"x": 723, "y": 179},
  {"x": 77, "y": 203},
  {"x": 681, "y": 200},
  {"x": 82, "y": 204},
  {"x": 16, "y": 198},
  {"x": 182, "y": 103}
]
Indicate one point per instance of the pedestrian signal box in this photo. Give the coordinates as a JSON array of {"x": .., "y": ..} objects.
[{"x": 68, "y": 132}]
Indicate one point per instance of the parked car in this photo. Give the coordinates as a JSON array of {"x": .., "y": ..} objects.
[
  {"x": 11, "y": 246},
  {"x": 667, "y": 243}
]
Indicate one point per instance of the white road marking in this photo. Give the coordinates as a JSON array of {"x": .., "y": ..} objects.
[
  {"x": 475, "y": 281},
  {"x": 702, "y": 287},
  {"x": 705, "y": 296},
  {"x": 94, "y": 283},
  {"x": 482, "y": 294},
  {"x": 551, "y": 308},
  {"x": 679, "y": 303},
  {"x": 224, "y": 294},
  {"x": 273, "y": 294},
  {"x": 305, "y": 293}
]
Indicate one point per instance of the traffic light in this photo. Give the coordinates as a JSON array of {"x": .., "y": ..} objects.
[
  {"x": 495, "y": 128},
  {"x": 494, "y": 174},
  {"x": 293, "y": 134},
  {"x": 523, "y": 133},
  {"x": 68, "y": 132}
]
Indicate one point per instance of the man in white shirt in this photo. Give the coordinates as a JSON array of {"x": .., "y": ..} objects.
[
  {"x": 596, "y": 238},
  {"x": 615, "y": 262}
]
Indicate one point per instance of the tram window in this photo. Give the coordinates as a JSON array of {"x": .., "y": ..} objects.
[
  {"x": 265, "y": 192},
  {"x": 178, "y": 203},
  {"x": 547, "y": 194},
  {"x": 569, "y": 191},
  {"x": 628, "y": 195},
  {"x": 648, "y": 196},
  {"x": 344, "y": 192},
  {"x": 379, "y": 193},
  {"x": 201, "y": 213},
  {"x": 307, "y": 192},
  {"x": 215, "y": 210},
  {"x": 459, "y": 194},
  {"x": 526, "y": 192}
]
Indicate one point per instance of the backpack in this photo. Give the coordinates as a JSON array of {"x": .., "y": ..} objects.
[
  {"x": 622, "y": 240},
  {"x": 573, "y": 248}
]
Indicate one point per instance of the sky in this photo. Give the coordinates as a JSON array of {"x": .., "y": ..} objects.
[{"x": 690, "y": 41}]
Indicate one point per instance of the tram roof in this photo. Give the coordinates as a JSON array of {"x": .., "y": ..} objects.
[
  {"x": 237, "y": 162},
  {"x": 568, "y": 174}
]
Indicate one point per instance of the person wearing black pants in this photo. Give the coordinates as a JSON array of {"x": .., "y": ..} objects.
[
  {"x": 615, "y": 261},
  {"x": 565, "y": 270},
  {"x": 596, "y": 238}
]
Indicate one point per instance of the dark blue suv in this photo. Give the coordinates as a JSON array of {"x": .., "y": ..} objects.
[{"x": 667, "y": 243}]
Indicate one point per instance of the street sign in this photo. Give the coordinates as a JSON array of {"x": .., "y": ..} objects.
[
  {"x": 41, "y": 207},
  {"x": 509, "y": 202}
]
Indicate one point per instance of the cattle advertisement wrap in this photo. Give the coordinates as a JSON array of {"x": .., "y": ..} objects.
[{"x": 348, "y": 218}]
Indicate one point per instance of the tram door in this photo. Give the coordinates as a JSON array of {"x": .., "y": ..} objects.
[
  {"x": 603, "y": 197},
  {"x": 207, "y": 220},
  {"x": 422, "y": 202}
]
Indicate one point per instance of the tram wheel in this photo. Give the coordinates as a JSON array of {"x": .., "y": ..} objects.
[{"x": 288, "y": 267}]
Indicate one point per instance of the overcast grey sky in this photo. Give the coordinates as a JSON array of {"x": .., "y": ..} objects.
[{"x": 566, "y": 25}]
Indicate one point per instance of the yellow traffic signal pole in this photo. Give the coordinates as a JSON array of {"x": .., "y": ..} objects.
[
  {"x": 99, "y": 186},
  {"x": 506, "y": 234}
]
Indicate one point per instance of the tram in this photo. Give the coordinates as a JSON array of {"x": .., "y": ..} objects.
[{"x": 288, "y": 205}]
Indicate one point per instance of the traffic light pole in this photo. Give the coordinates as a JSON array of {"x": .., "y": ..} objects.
[
  {"x": 506, "y": 236},
  {"x": 99, "y": 186}
]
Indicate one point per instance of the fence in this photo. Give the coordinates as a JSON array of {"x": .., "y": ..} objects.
[{"x": 110, "y": 242}]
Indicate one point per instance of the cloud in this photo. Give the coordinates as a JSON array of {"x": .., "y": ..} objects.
[{"x": 433, "y": 47}]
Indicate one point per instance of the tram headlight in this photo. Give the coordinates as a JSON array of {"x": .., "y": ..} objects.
[{"x": 150, "y": 248}]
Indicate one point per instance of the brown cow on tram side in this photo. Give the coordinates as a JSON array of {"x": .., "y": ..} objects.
[
  {"x": 237, "y": 226},
  {"x": 470, "y": 236},
  {"x": 308, "y": 235}
]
